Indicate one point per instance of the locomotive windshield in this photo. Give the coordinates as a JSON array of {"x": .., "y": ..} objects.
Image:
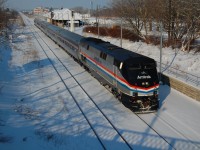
[
  {"x": 137, "y": 73},
  {"x": 134, "y": 67},
  {"x": 149, "y": 66}
]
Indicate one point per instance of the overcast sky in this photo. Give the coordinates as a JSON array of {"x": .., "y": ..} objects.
[{"x": 30, "y": 4}]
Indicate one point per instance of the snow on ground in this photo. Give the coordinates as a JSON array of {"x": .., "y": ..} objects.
[
  {"x": 37, "y": 112},
  {"x": 34, "y": 107}
]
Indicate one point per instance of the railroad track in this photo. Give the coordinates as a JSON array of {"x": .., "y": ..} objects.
[
  {"x": 171, "y": 127},
  {"x": 161, "y": 136},
  {"x": 97, "y": 109}
]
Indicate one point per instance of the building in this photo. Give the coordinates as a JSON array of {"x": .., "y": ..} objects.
[
  {"x": 40, "y": 10},
  {"x": 37, "y": 10},
  {"x": 64, "y": 16}
]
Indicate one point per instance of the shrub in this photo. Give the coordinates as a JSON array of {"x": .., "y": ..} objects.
[{"x": 114, "y": 31}]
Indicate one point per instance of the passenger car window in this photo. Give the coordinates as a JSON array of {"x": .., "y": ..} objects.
[{"x": 103, "y": 55}]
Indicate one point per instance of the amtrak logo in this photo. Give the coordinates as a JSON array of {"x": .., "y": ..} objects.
[{"x": 143, "y": 75}]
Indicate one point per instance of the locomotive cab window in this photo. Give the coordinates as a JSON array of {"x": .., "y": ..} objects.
[
  {"x": 88, "y": 47},
  {"x": 134, "y": 67}
]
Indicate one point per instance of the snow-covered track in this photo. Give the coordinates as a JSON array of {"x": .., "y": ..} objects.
[
  {"x": 97, "y": 108},
  {"x": 162, "y": 137},
  {"x": 172, "y": 124},
  {"x": 82, "y": 111},
  {"x": 155, "y": 129}
]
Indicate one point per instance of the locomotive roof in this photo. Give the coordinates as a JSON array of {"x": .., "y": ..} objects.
[{"x": 118, "y": 53}]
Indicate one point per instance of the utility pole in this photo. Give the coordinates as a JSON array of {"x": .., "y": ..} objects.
[
  {"x": 68, "y": 19},
  {"x": 91, "y": 9},
  {"x": 72, "y": 21},
  {"x": 121, "y": 34},
  {"x": 98, "y": 19},
  {"x": 161, "y": 45}
]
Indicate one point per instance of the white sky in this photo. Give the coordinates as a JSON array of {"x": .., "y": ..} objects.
[{"x": 30, "y": 4}]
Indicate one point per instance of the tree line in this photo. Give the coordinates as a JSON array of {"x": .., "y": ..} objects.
[
  {"x": 180, "y": 19},
  {"x": 6, "y": 15},
  {"x": 2, "y": 15}
]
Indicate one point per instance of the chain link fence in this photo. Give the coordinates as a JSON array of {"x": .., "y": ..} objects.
[{"x": 191, "y": 79}]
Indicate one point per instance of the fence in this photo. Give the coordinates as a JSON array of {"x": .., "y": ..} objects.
[{"x": 180, "y": 74}]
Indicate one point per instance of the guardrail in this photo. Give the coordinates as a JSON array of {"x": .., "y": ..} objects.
[{"x": 180, "y": 74}]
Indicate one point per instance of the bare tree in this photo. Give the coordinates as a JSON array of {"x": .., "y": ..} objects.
[
  {"x": 191, "y": 16},
  {"x": 131, "y": 12},
  {"x": 181, "y": 18},
  {"x": 81, "y": 10},
  {"x": 2, "y": 13},
  {"x": 2, "y": 2}
]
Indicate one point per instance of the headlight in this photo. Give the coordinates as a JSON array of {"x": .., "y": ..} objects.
[{"x": 145, "y": 83}]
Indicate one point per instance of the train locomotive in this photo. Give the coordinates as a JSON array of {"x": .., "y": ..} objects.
[{"x": 131, "y": 77}]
